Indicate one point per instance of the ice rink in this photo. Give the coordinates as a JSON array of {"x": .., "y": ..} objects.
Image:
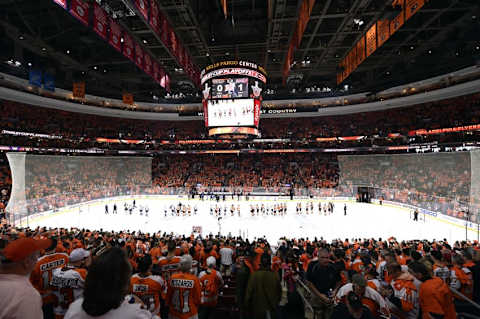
[{"x": 362, "y": 220}]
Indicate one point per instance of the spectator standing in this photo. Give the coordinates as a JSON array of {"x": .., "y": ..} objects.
[
  {"x": 106, "y": 290},
  {"x": 211, "y": 282},
  {"x": 263, "y": 291},
  {"x": 69, "y": 281},
  {"x": 184, "y": 292},
  {"x": 18, "y": 298},
  {"x": 226, "y": 258},
  {"x": 436, "y": 300}
]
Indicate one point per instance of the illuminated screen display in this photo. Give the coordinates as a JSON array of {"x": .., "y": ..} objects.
[
  {"x": 231, "y": 112},
  {"x": 229, "y": 88}
]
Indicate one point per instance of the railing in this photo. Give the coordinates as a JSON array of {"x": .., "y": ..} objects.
[
  {"x": 307, "y": 304},
  {"x": 468, "y": 300}
]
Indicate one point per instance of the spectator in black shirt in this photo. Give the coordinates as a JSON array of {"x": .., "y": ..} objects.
[
  {"x": 323, "y": 278},
  {"x": 352, "y": 308}
]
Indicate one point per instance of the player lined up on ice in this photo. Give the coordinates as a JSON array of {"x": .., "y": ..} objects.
[
  {"x": 216, "y": 210},
  {"x": 180, "y": 210},
  {"x": 273, "y": 210},
  {"x": 311, "y": 208}
]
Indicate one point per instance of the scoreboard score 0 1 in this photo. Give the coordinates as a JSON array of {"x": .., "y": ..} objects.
[{"x": 229, "y": 88}]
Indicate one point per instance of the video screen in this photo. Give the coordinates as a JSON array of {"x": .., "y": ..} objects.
[
  {"x": 229, "y": 88},
  {"x": 231, "y": 112}
]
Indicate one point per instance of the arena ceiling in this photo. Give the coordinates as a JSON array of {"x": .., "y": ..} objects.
[{"x": 441, "y": 37}]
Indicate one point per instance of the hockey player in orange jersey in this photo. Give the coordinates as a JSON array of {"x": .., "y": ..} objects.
[{"x": 183, "y": 292}]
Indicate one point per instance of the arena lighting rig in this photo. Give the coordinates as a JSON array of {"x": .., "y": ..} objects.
[{"x": 232, "y": 98}]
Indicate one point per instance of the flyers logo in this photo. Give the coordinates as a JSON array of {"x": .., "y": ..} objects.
[
  {"x": 100, "y": 27},
  {"x": 80, "y": 11},
  {"x": 142, "y": 5}
]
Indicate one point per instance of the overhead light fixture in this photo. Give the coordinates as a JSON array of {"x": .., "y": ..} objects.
[
  {"x": 29, "y": 64},
  {"x": 21, "y": 37},
  {"x": 429, "y": 51},
  {"x": 477, "y": 47},
  {"x": 145, "y": 41},
  {"x": 412, "y": 47},
  {"x": 68, "y": 51},
  {"x": 121, "y": 40},
  {"x": 207, "y": 54},
  {"x": 83, "y": 72},
  {"x": 358, "y": 22},
  {"x": 227, "y": 53},
  {"x": 104, "y": 71},
  {"x": 388, "y": 72},
  {"x": 95, "y": 67},
  {"x": 269, "y": 51},
  {"x": 44, "y": 49}
]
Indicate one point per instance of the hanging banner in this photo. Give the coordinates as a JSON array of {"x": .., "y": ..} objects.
[
  {"x": 61, "y": 3},
  {"x": 142, "y": 6},
  {"x": 399, "y": 20},
  {"x": 371, "y": 40},
  {"x": 303, "y": 17},
  {"x": 155, "y": 71},
  {"x": 173, "y": 42},
  {"x": 49, "y": 82},
  {"x": 164, "y": 29},
  {"x": 360, "y": 48},
  {"x": 127, "y": 98},
  {"x": 35, "y": 78},
  {"x": 161, "y": 77},
  {"x": 383, "y": 32},
  {"x": 79, "y": 9},
  {"x": 256, "y": 114},
  {"x": 154, "y": 21},
  {"x": 78, "y": 89},
  {"x": 412, "y": 7},
  {"x": 128, "y": 46},
  {"x": 115, "y": 35},
  {"x": 139, "y": 55},
  {"x": 99, "y": 21},
  {"x": 148, "y": 64}
]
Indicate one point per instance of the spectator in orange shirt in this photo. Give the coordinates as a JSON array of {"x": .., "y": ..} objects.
[{"x": 436, "y": 300}]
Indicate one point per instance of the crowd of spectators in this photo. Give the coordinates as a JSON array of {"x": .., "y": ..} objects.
[
  {"x": 89, "y": 274},
  {"x": 81, "y": 130}
]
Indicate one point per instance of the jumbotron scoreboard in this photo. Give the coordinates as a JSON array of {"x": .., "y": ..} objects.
[{"x": 232, "y": 98}]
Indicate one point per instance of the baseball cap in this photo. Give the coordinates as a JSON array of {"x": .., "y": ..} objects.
[
  {"x": 78, "y": 254},
  {"x": 359, "y": 280},
  {"x": 211, "y": 261},
  {"x": 21, "y": 248}
]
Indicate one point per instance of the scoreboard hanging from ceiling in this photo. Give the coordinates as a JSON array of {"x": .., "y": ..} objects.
[{"x": 232, "y": 98}]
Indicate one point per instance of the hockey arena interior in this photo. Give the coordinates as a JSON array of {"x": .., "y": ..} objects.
[{"x": 243, "y": 159}]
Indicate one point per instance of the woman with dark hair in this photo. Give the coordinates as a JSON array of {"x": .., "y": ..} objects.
[{"x": 106, "y": 287}]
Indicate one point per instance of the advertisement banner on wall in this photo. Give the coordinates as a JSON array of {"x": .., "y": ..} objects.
[
  {"x": 142, "y": 6},
  {"x": 128, "y": 46}
]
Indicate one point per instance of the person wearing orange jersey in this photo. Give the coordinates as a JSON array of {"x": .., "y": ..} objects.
[
  {"x": 183, "y": 292},
  {"x": 41, "y": 276},
  {"x": 211, "y": 282},
  {"x": 436, "y": 300},
  {"x": 155, "y": 253},
  {"x": 258, "y": 255},
  {"x": 169, "y": 264},
  {"x": 68, "y": 282},
  {"x": 148, "y": 287},
  {"x": 402, "y": 293},
  {"x": 461, "y": 278}
]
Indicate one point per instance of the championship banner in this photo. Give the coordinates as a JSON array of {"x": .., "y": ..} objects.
[
  {"x": 412, "y": 7},
  {"x": 154, "y": 17},
  {"x": 99, "y": 21},
  {"x": 78, "y": 89},
  {"x": 115, "y": 35},
  {"x": 128, "y": 46},
  {"x": 399, "y": 20},
  {"x": 372, "y": 40},
  {"x": 383, "y": 32},
  {"x": 79, "y": 9},
  {"x": 142, "y": 6},
  {"x": 360, "y": 48},
  {"x": 139, "y": 55},
  {"x": 127, "y": 98},
  {"x": 61, "y": 3},
  {"x": 148, "y": 64}
]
